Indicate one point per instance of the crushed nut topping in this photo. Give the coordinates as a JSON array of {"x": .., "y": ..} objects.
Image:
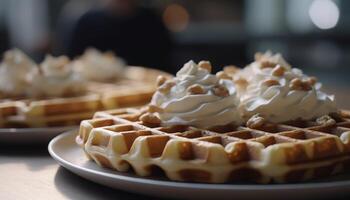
[
  {"x": 264, "y": 62},
  {"x": 150, "y": 118},
  {"x": 231, "y": 69},
  {"x": 223, "y": 75},
  {"x": 241, "y": 82},
  {"x": 270, "y": 82},
  {"x": 325, "y": 120},
  {"x": 298, "y": 84},
  {"x": 312, "y": 80},
  {"x": 220, "y": 90},
  {"x": 267, "y": 64},
  {"x": 295, "y": 84},
  {"x": 165, "y": 88},
  {"x": 196, "y": 89},
  {"x": 256, "y": 122},
  {"x": 160, "y": 80},
  {"x": 278, "y": 70},
  {"x": 205, "y": 65}
]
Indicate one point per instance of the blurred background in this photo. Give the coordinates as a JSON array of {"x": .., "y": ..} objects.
[{"x": 312, "y": 34}]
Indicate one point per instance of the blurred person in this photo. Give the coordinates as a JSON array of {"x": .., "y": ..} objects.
[
  {"x": 133, "y": 32},
  {"x": 71, "y": 12}
]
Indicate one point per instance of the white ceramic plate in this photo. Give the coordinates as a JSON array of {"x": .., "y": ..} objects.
[
  {"x": 31, "y": 135},
  {"x": 64, "y": 150}
]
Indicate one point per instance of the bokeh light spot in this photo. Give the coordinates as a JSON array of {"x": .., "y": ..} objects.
[
  {"x": 176, "y": 17},
  {"x": 324, "y": 14}
]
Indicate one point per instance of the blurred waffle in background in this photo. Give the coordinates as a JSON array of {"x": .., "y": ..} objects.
[
  {"x": 311, "y": 33},
  {"x": 60, "y": 92}
]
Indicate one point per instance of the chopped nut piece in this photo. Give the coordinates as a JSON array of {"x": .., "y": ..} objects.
[
  {"x": 160, "y": 80},
  {"x": 165, "y": 88},
  {"x": 306, "y": 86},
  {"x": 220, "y": 90},
  {"x": 278, "y": 70},
  {"x": 150, "y": 118},
  {"x": 231, "y": 69},
  {"x": 241, "y": 82},
  {"x": 312, "y": 80},
  {"x": 325, "y": 120},
  {"x": 196, "y": 89},
  {"x": 153, "y": 109},
  {"x": 256, "y": 122},
  {"x": 297, "y": 84},
  {"x": 223, "y": 75},
  {"x": 267, "y": 64},
  {"x": 205, "y": 65},
  {"x": 270, "y": 82}
]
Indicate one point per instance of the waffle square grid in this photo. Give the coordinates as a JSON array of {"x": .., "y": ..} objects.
[{"x": 118, "y": 140}]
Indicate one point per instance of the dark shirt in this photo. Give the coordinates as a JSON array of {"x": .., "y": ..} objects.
[{"x": 141, "y": 39}]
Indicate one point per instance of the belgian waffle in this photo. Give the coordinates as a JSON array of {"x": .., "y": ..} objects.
[
  {"x": 46, "y": 121},
  {"x": 133, "y": 90},
  {"x": 297, "y": 151}
]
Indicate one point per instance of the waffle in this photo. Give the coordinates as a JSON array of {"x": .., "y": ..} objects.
[
  {"x": 292, "y": 152},
  {"x": 46, "y": 121},
  {"x": 8, "y": 108},
  {"x": 133, "y": 90}
]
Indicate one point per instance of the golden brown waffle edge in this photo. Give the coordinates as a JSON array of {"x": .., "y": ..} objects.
[
  {"x": 118, "y": 140},
  {"x": 135, "y": 89}
]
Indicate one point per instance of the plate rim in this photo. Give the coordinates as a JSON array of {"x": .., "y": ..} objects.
[{"x": 207, "y": 186}]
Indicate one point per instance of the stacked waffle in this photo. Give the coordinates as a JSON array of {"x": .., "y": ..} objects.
[
  {"x": 57, "y": 95},
  {"x": 267, "y": 122}
]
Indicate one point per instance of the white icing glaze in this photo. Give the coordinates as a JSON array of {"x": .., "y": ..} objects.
[
  {"x": 57, "y": 78},
  {"x": 280, "y": 103},
  {"x": 16, "y": 71},
  {"x": 200, "y": 110},
  {"x": 97, "y": 66}
]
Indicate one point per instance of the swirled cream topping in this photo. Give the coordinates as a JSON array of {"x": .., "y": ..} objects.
[
  {"x": 56, "y": 78},
  {"x": 16, "y": 71},
  {"x": 280, "y": 93},
  {"x": 97, "y": 66},
  {"x": 196, "y": 97}
]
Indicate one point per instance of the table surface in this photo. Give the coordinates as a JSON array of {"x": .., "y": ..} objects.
[{"x": 30, "y": 173}]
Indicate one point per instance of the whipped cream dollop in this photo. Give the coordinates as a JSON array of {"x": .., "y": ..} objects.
[
  {"x": 280, "y": 93},
  {"x": 97, "y": 66},
  {"x": 16, "y": 71},
  {"x": 56, "y": 78},
  {"x": 198, "y": 98}
]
